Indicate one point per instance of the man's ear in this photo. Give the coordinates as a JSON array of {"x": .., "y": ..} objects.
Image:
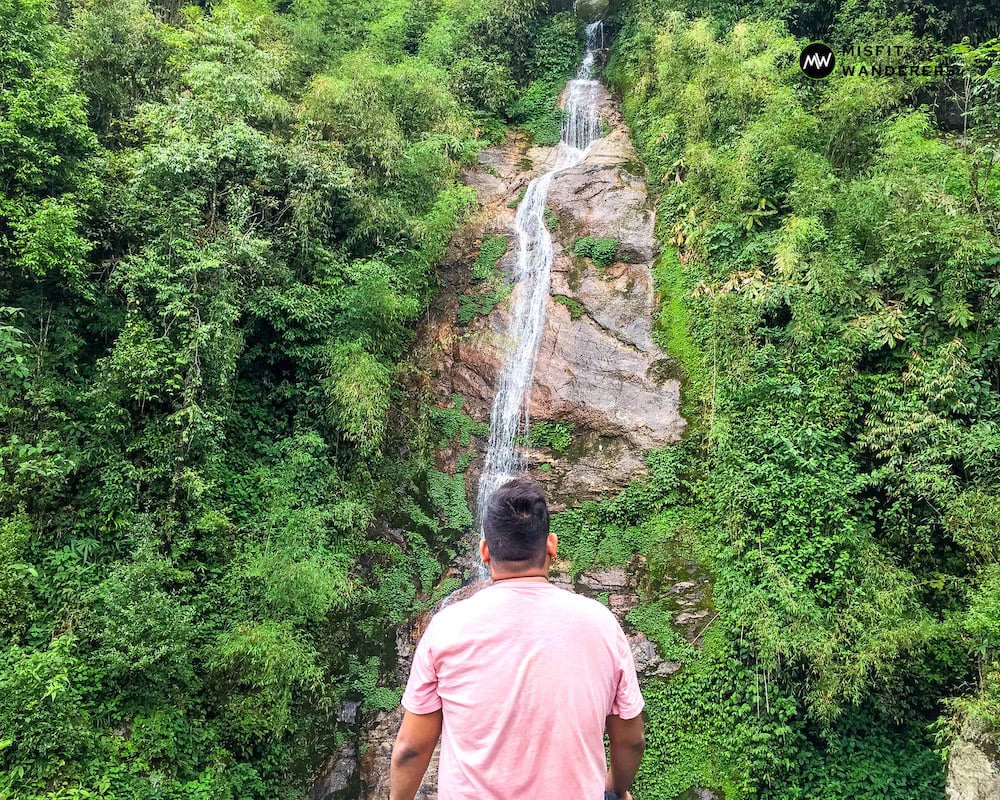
[
  {"x": 484, "y": 551},
  {"x": 551, "y": 545}
]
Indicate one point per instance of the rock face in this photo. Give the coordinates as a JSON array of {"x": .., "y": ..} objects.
[
  {"x": 973, "y": 768},
  {"x": 597, "y": 366},
  {"x": 602, "y": 197},
  {"x": 376, "y": 752},
  {"x": 338, "y": 780}
]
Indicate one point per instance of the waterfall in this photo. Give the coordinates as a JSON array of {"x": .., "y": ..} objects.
[
  {"x": 582, "y": 124},
  {"x": 509, "y": 416}
]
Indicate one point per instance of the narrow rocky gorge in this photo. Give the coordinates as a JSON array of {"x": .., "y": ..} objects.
[{"x": 597, "y": 368}]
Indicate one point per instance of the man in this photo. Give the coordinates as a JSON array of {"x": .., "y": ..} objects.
[{"x": 521, "y": 680}]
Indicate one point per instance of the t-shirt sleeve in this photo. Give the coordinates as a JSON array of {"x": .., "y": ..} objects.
[
  {"x": 628, "y": 702},
  {"x": 421, "y": 695}
]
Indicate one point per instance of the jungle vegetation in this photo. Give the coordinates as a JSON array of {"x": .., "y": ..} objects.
[
  {"x": 219, "y": 224},
  {"x": 830, "y": 285}
]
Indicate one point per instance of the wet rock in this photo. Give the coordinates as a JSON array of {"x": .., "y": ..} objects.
[
  {"x": 973, "y": 768},
  {"x": 687, "y": 596},
  {"x": 619, "y": 299},
  {"x": 621, "y": 604},
  {"x": 500, "y": 172},
  {"x": 591, "y": 377},
  {"x": 616, "y": 584},
  {"x": 607, "y": 202},
  {"x": 648, "y": 662},
  {"x": 701, "y": 793},
  {"x": 603, "y": 580},
  {"x": 338, "y": 778},
  {"x": 585, "y": 365},
  {"x": 348, "y": 712},
  {"x": 692, "y": 624},
  {"x": 593, "y": 467},
  {"x": 601, "y": 372},
  {"x": 376, "y": 753}
]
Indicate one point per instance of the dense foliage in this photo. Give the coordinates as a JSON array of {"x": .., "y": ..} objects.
[
  {"x": 218, "y": 226},
  {"x": 830, "y": 286}
]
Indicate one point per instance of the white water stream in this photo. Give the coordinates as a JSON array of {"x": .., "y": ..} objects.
[{"x": 509, "y": 417}]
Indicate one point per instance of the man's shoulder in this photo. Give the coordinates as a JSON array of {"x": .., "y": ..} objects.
[
  {"x": 583, "y": 605},
  {"x": 562, "y": 601}
]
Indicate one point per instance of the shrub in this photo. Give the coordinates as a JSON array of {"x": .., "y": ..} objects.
[
  {"x": 575, "y": 306},
  {"x": 556, "y": 435},
  {"x": 492, "y": 250},
  {"x": 601, "y": 251},
  {"x": 482, "y": 303}
]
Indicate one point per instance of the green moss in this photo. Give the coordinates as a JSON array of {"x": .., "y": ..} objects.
[
  {"x": 671, "y": 327},
  {"x": 537, "y": 113},
  {"x": 447, "y": 586},
  {"x": 484, "y": 270},
  {"x": 520, "y": 196},
  {"x": 575, "y": 306},
  {"x": 558, "y": 49},
  {"x": 374, "y": 697},
  {"x": 452, "y": 422},
  {"x": 551, "y": 218},
  {"x": 481, "y": 303},
  {"x": 655, "y": 620}
]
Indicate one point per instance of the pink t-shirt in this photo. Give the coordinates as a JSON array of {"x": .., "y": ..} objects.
[{"x": 526, "y": 674}]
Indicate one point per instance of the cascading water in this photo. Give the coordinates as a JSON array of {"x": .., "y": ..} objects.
[
  {"x": 509, "y": 417},
  {"x": 582, "y": 124}
]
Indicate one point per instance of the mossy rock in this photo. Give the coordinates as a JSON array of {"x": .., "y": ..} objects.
[{"x": 666, "y": 369}]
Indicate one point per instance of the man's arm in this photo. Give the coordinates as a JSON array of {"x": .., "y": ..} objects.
[
  {"x": 412, "y": 753},
  {"x": 626, "y": 743}
]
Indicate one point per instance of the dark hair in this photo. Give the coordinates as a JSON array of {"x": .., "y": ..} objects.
[{"x": 517, "y": 524}]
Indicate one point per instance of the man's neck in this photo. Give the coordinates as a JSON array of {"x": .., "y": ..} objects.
[{"x": 540, "y": 578}]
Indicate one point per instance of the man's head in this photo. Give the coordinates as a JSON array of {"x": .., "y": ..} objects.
[{"x": 516, "y": 527}]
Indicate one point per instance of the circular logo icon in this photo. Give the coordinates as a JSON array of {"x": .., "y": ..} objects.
[{"x": 817, "y": 60}]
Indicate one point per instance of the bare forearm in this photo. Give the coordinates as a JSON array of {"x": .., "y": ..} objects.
[
  {"x": 625, "y": 760},
  {"x": 406, "y": 771},
  {"x": 626, "y": 744},
  {"x": 418, "y": 734}
]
